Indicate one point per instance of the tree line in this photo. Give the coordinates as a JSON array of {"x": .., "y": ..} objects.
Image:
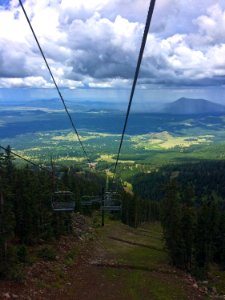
[
  {"x": 26, "y": 215},
  {"x": 192, "y": 212},
  {"x": 194, "y": 230}
]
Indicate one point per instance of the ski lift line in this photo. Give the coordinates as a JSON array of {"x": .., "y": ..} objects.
[
  {"x": 53, "y": 79},
  {"x": 144, "y": 39},
  {"x": 27, "y": 160}
]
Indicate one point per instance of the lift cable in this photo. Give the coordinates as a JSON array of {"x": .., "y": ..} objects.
[
  {"x": 53, "y": 79},
  {"x": 144, "y": 39},
  {"x": 25, "y": 159}
]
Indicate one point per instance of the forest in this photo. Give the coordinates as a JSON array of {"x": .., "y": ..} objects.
[
  {"x": 191, "y": 198},
  {"x": 27, "y": 217},
  {"x": 187, "y": 199}
]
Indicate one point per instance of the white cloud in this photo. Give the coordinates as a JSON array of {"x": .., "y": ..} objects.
[
  {"x": 216, "y": 59},
  {"x": 36, "y": 82},
  {"x": 213, "y": 24},
  {"x": 96, "y": 43}
]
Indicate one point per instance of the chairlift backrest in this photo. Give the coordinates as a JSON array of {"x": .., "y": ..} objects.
[
  {"x": 63, "y": 201},
  {"x": 112, "y": 197},
  {"x": 112, "y": 201}
]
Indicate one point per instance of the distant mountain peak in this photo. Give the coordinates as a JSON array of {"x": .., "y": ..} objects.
[{"x": 186, "y": 106}]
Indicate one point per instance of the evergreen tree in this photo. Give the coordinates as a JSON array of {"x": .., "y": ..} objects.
[
  {"x": 188, "y": 223},
  {"x": 8, "y": 163},
  {"x": 171, "y": 222},
  {"x": 202, "y": 247}
]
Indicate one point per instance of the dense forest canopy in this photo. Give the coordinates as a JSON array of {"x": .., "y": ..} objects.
[
  {"x": 206, "y": 177},
  {"x": 26, "y": 214}
]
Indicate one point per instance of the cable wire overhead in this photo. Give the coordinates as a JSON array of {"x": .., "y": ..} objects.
[
  {"x": 144, "y": 39},
  {"x": 53, "y": 79}
]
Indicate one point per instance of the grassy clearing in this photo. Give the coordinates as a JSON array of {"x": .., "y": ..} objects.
[
  {"x": 164, "y": 140},
  {"x": 142, "y": 263},
  {"x": 150, "y": 253},
  {"x": 109, "y": 158},
  {"x": 85, "y": 136},
  {"x": 217, "y": 279},
  {"x": 143, "y": 286}
]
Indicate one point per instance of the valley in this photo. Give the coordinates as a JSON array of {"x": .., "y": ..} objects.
[
  {"x": 152, "y": 139},
  {"x": 112, "y": 150}
]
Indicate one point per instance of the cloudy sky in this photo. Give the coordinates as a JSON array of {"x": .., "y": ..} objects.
[{"x": 94, "y": 44}]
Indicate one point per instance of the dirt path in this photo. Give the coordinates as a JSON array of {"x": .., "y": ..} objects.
[{"x": 119, "y": 263}]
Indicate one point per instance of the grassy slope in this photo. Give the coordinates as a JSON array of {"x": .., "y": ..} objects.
[
  {"x": 140, "y": 263},
  {"x": 111, "y": 263}
]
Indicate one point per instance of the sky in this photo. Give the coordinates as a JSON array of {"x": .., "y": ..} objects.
[{"x": 92, "y": 48}]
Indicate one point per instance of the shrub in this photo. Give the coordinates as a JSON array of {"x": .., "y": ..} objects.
[{"x": 47, "y": 253}]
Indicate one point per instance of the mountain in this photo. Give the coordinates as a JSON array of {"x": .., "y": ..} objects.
[
  {"x": 56, "y": 104},
  {"x": 186, "y": 106}
]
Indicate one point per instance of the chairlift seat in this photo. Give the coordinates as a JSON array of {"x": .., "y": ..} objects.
[
  {"x": 112, "y": 201},
  {"x": 111, "y": 207},
  {"x": 112, "y": 198}
]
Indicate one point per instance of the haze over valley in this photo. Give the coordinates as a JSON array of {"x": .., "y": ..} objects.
[{"x": 184, "y": 130}]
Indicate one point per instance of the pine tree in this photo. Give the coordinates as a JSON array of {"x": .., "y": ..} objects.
[
  {"x": 8, "y": 163},
  {"x": 188, "y": 223},
  {"x": 171, "y": 222}
]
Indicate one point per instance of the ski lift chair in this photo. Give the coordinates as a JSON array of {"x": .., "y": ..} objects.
[
  {"x": 112, "y": 197},
  {"x": 112, "y": 202},
  {"x": 63, "y": 201}
]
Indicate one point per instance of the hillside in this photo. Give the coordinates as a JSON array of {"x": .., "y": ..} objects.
[
  {"x": 186, "y": 106},
  {"x": 164, "y": 135},
  {"x": 116, "y": 262}
]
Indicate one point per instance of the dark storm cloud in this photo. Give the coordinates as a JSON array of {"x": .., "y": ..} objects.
[
  {"x": 13, "y": 62},
  {"x": 103, "y": 50},
  {"x": 107, "y": 63}
]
